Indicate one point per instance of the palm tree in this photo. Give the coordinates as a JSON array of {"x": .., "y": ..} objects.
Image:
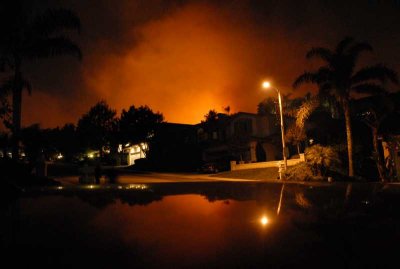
[
  {"x": 25, "y": 37},
  {"x": 340, "y": 79}
]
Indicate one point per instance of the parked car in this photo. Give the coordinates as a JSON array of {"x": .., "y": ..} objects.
[
  {"x": 213, "y": 167},
  {"x": 209, "y": 168}
]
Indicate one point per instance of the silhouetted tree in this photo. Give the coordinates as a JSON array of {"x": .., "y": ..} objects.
[
  {"x": 95, "y": 128},
  {"x": 268, "y": 107},
  {"x": 66, "y": 140},
  {"x": 138, "y": 124},
  {"x": 33, "y": 141},
  {"x": 24, "y": 37},
  {"x": 211, "y": 123},
  {"x": 211, "y": 116},
  {"x": 373, "y": 111},
  {"x": 5, "y": 108},
  {"x": 339, "y": 78},
  {"x": 227, "y": 109}
]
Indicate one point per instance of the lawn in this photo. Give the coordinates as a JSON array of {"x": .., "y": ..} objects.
[{"x": 270, "y": 173}]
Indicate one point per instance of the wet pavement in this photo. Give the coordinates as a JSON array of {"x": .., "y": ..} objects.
[
  {"x": 151, "y": 177},
  {"x": 203, "y": 225}
]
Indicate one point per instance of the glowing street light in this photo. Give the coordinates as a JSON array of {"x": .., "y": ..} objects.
[{"x": 267, "y": 85}]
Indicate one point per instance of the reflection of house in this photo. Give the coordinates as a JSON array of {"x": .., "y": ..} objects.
[
  {"x": 242, "y": 136},
  {"x": 131, "y": 153}
]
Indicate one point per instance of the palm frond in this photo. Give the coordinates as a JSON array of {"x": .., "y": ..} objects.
[
  {"x": 294, "y": 134},
  {"x": 324, "y": 74},
  {"x": 306, "y": 77},
  {"x": 52, "y": 47},
  {"x": 343, "y": 44},
  {"x": 305, "y": 110},
  {"x": 359, "y": 47},
  {"x": 368, "y": 88},
  {"x": 376, "y": 72},
  {"x": 9, "y": 83},
  {"x": 322, "y": 53},
  {"x": 53, "y": 21},
  {"x": 325, "y": 88}
]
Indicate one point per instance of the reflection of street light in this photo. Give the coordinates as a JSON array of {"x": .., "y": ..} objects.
[
  {"x": 278, "y": 210},
  {"x": 264, "y": 220},
  {"x": 267, "y": 85}
]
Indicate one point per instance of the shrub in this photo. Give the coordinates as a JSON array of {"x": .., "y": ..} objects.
[
  {"x": 301, "y": 171},
  {"x": 321, "y": 158}
]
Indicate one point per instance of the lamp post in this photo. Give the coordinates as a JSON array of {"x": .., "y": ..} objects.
[{"x": 267, "y": 85}]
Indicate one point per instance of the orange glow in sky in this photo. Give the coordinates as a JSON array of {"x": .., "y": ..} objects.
[
  {"x": 198, "y": 56},
  {"x": 184, "y": 65}
]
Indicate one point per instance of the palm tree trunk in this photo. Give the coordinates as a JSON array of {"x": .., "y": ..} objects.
[
  {"x": 378, "y": 158},
  {"x": 16, "y": 118},
  {"x": 349, "y": 190},
  {"x": 347, "y": 118}
]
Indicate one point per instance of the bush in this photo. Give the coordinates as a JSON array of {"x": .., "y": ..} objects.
[
  {"x": 300, "y": 172},
  {"x": 321, "y": 159}
]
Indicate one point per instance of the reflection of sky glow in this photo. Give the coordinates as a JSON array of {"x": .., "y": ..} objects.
[
  {"x": 264, "y": 220},
  {"x": 181, "y": 224},
  {"x": 124, "y": 228}
]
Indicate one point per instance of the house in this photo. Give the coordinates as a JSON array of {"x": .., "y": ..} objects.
[
  {"x": 131, "y": 153},
  {"x": 242, "y": 136},
  {"x": 245, "y": 137}
]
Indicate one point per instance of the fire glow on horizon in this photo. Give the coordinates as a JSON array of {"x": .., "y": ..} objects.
[
  {"x": 187, "y": 59},
  {"x": 198, "y": 58}
]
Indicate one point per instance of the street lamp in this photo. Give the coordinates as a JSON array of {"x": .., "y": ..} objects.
[{"x": 267, "y": 85}]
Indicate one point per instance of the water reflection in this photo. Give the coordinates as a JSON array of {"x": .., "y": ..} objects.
[
  {"x": 205, "y": 225},
  {"x": 264, "y": 220},
  {"x": 278, "y": 210}
]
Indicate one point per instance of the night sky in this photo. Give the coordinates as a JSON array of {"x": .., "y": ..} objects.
[{"x": 183, "y": 58}]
